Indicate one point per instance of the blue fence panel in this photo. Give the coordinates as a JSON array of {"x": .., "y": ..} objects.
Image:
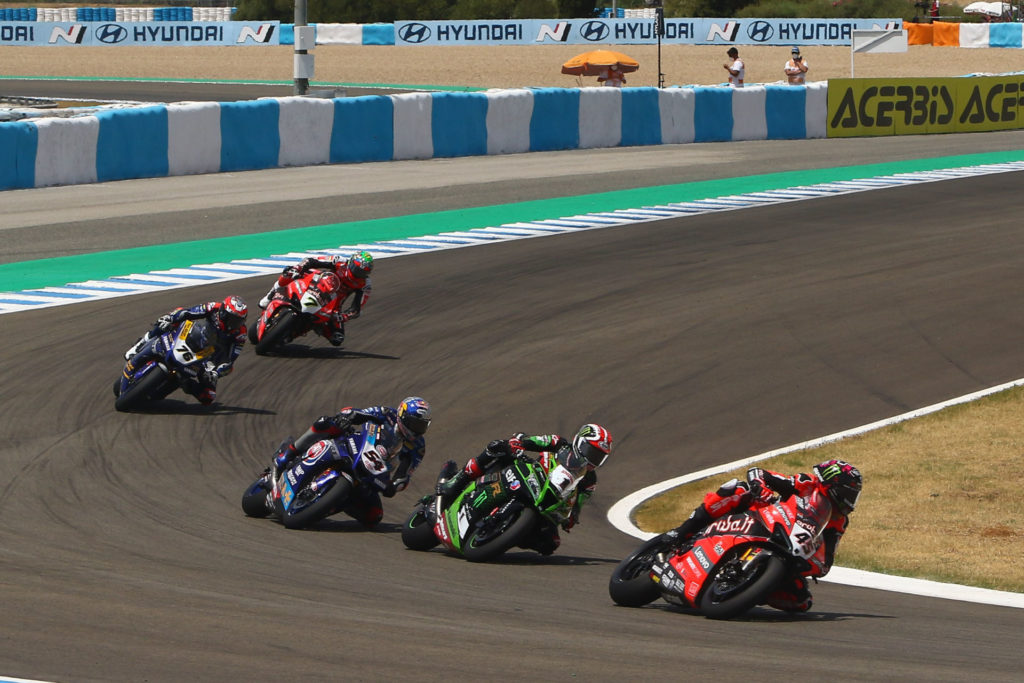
[
  {"x": 555, "y": 123},
  {"x": 132, "y": 143},
  {"x": 641, "y": 117},
  {"x": 286, "y": 34},
  {"x": 19, "y": 141},
  {"x": 785, "y": 111},
  {"x": 459, "y": 124},
  {"x": 1004, "y": 35},
  {"x": 364, "y": 129},
  {"x": 249, "y": 135},
  {"x": 378, "y": 34},
  {"x": 712, "y": 114}
]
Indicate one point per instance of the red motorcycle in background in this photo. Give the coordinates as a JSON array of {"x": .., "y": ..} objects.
[
  {"x": 732, "y": 564},
  {"x": 307, "y": 303}
]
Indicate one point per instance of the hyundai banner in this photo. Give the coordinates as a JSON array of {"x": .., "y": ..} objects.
[
  {"x": 140, "y": 33},
  {"x": 639, "y": 31}
]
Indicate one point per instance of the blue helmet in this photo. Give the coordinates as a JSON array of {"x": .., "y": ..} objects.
[{"x": 414, "y": 416}]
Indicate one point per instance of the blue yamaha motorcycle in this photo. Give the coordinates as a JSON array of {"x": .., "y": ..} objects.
[
  {"x": 320, "y": 483},
  {"x": 164, "y": 363}
]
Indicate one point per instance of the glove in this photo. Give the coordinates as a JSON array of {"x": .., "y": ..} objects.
[
  {"x": 758, "y": 488},
  {"x": 344, "y": 418},
  {"x": 290, "y": 272},
  {"x": 165, "y": 322},
  {"x": 515, "y": 447},
  {"x": 223, "y": 369}
]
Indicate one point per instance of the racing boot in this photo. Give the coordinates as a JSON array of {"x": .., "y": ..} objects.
[
  {"x": 337, "y": 338},
  {"x": 137, "y": 346},
  {"x": 265, "y": 301},
  {"x": 697, "y": 520},
  {"x": 795, "y": 597},
  {"x": 452, "y": 487}
]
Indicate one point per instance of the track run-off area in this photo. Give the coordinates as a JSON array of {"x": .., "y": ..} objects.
[{"x": 697, "y": 339}]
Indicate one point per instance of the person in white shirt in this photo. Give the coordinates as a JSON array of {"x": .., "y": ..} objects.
[
  {"x": 796, "y": 68},
  {"x": 735, "y": 69}
]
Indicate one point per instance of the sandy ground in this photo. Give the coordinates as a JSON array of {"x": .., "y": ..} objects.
[{"x": 488, "y": 67}]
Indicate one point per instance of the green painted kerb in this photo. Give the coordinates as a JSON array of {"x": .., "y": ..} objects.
[{"x": 62, "y": 270}]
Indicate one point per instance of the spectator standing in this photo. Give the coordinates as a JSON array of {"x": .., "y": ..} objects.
[
  {"x": 796, "y": 68},
  {"x": 735, "y": 68}
]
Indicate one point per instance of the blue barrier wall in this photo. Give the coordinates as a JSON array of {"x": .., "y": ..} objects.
[
  {"x": 18, "y": 144},
  {"x": 149, "y": 141},
  {"x": 249, "y": 135},
  {"x": 363, "y": 129},
  {"x": 132, "y": 143}
]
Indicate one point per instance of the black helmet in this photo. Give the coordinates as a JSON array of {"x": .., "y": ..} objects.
[{"x": 842, "y": 482}]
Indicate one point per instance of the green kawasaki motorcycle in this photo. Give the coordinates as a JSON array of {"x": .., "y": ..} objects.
[{"x": 498, "y": 511}]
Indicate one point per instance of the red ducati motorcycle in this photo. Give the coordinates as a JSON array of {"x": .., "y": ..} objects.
[
  {"x": 731, "y": 565},
  {"x": 308, "y": 303}
]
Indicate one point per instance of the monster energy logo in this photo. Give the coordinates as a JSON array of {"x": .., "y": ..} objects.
[{"x": 831, "y": 471}]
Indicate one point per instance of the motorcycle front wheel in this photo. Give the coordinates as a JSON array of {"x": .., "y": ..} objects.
[
  {"x": 735, "y": 586},
  {"x": 311, "y": 506},
  {"x": 142, "y": 391},
  {"x": 276, "y": 333},
  {"x": 631, "y": 584},
  {"x": 254, "y": 500},
  {"x": 418, "y": 531},
  {"x": 485, "y": 544}
]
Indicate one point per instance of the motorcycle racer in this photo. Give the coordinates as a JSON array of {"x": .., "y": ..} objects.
[
  {"x": 839, "y": 481},
  {"x": 401, "y": 436},
  {"x": 581, "y": 456},
  {"x": 354, "y": 274},
  {"x": 227, "y": 318}
]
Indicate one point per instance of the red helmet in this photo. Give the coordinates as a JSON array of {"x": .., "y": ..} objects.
[
  {"x": 593, "y": 443},
  {"x": 842, "y": 482},
  {"x": 231, "y": 314}
]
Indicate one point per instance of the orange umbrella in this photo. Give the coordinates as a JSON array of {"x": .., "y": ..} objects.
[{"x": 594, "y": 62}]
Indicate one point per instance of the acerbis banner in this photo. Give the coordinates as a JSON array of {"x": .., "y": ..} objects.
[
  {"x": 163, "y": 33},
  {"x": 863, "y": 107},
  {"x": 638, "y": 31}
]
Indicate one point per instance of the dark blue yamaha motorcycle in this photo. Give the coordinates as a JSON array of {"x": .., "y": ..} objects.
[
  {"x": 164, "y": 363},
  {"x": 320, "y": 483}
]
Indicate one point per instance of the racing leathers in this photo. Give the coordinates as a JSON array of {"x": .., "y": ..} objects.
[
  {"x": 405, "y": 451},
  {"x": 228, "y": 345},
  {"x": 575, "y": 490},
  {"x": 351, "y": 286},
  {"x": 760, "y": 487}
]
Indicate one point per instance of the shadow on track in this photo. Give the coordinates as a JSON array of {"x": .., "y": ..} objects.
[
  {"x": 326, "y": 352},
  {"x": 173, "y": 407}
]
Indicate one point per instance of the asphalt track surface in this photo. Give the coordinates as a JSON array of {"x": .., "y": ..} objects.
[{"x": 124, "y": 554}]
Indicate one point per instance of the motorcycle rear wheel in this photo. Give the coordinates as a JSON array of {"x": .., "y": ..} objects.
[
  {"x": 513, "y": 532},
  {"x": 323, "y": 505},
  {"x": 418, "y": 531},
  {"x": 254, "y": 500},
  {"x": 723, "y": 599},
  {"x": 276, "y": 334},
  {"x": 141, "y": 391},
  {"x": 631, "y": 584}
]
